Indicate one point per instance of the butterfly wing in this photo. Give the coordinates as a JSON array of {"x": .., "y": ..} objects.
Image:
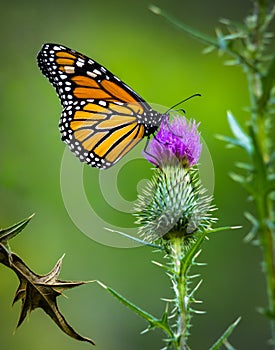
[{"x": 102, "y": 118}]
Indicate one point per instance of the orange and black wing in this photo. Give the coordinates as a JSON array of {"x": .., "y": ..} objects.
[{"x": 102, "y": 118}]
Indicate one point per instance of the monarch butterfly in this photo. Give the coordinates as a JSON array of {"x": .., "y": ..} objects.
[{"x": 102, "y": 118}]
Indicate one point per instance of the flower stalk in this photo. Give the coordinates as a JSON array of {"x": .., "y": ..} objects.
[
  {"x": 180, "y": 287},
  {"x": 175, "y": 210}
]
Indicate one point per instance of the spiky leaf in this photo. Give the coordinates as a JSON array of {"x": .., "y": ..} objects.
[
  {"x": 36, "y": 291},
  {"x": 8, "y": 233},
  {"x": 153, "y": 321},
  {"x": 223, "y": 339}
]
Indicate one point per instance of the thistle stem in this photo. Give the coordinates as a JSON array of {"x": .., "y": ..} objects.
[
  {"x": 263, "y": 202},
  {"x": 267, "y": 244},
  {"x": 180, "y": 283},
  {"x": 261, "y": 156}
]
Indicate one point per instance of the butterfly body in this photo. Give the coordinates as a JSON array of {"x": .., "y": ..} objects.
[{"x": 102, "y": 118}]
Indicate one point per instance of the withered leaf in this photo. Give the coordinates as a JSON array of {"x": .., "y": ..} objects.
[
  {"x": 35, "y": 290},
  {"x": 41, "y": 291}
]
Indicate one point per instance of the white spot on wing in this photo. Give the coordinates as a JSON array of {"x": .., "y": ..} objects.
[
  {"x": 96, "y": 71},
  {"x": 69, "y": 69},
  {"x": 91, "y": 74},
  {"x": 79, "y": 63}
]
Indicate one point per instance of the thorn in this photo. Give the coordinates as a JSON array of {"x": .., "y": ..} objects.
[
  {"x": 158, "y": 263},
  {"x": 168, "y": 300},
  {"x": 198, "y": 312}
]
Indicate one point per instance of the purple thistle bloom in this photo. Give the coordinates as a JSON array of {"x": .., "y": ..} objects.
[{"x": 176, "y": 139}]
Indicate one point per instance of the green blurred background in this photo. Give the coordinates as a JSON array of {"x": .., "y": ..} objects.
[{"x": 164, "y": 66}]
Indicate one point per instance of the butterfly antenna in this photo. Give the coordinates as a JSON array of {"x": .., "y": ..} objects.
[
  {"x": 177, "y": 104},
  {"x": 165, "y": 120},
  {"x": 148, "y": 153}
]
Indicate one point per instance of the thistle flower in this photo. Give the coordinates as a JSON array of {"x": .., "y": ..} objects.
[
  {"x": 179, "y": 140},
  {"x": 174, "y": 204}
]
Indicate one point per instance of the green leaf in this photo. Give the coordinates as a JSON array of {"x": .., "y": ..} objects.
[
  {"x": 238, "y": 178},
  {"x": 231, "y": 142},
  {"x": 221, "y": 40},
  {"x": 234, "y": 62},
  {"x": 208, "y": 49},
  {"x": 242, "y": 139},
  {"x": 187, "y": 29},
  {"x": 191, "y": 253},
  {"x": 152, "y": 320},
  {"x": 245, "y": 166},
  {"x": 223, "y": 339},
  {"x": 221, "y": 44},
  {"x": 254, "y": 228},
  {"x": 224, "y": 228},
  {"x": 140, "y": 241},
  {"x": 10, "y": 232}
]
